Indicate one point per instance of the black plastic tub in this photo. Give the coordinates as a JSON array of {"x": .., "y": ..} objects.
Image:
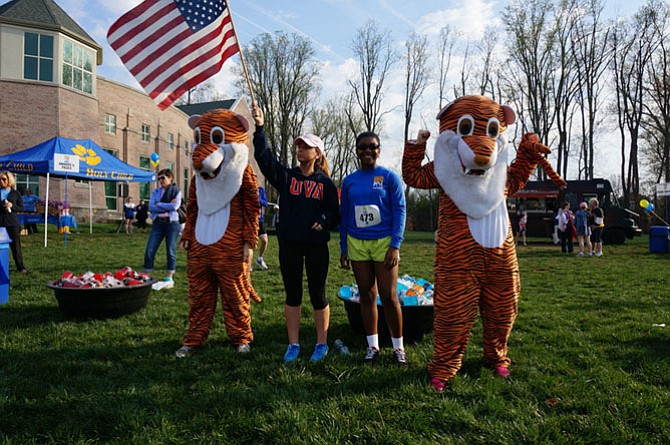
[
  {"x": 106, "y": 302},
  {"x": 417, "y": 321}
]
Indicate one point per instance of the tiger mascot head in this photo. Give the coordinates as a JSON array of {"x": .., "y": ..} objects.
[
  {"x": 471, "y": 153},
  {"x": 220, "y": 155}
]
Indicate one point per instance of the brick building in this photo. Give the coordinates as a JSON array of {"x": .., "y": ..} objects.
[{"x": 49, "y": 87}]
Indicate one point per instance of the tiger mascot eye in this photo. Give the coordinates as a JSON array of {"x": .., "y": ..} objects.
[
  {"x": 221, "y": 229},
  {"x": 475, "y": 260}
]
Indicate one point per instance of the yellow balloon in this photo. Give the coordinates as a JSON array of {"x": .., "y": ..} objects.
[{"x": 644, "y": 203}]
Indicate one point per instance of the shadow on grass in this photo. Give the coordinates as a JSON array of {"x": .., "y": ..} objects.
[
  {"x": 103, "y": 392},
  {"x": 25, "y": 317},
  {"x": 644, "y": 353}
]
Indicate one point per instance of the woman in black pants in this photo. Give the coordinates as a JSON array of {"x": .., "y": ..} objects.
[
  {"x": 310, "y": 207},
  {"x": 12, "y": 203}
]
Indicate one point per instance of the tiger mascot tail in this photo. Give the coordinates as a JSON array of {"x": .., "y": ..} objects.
[
  {"x": 221, "y": 229},
  {"x": 475, "y": 259}
]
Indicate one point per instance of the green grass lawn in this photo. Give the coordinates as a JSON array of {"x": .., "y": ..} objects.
[{"x": 589, "y": 366}]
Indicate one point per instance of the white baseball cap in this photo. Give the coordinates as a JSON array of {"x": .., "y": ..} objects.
[{"x": 311, "y": 140}]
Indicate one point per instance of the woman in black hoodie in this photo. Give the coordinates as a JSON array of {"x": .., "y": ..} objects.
[{"x": 310, "y": 208}]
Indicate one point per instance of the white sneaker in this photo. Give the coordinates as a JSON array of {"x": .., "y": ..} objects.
[
  {"x": 168, "y": 283},
  {"x": 184, "y": 351},
  {"x": 243, "y": 349},
  {"x": 598, "y": 254},
  {"x": 580, "y": 254},
  {"x": 261, "y": 263}
]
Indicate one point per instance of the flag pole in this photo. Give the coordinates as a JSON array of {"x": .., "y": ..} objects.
[{"x": 239, "y": 49}]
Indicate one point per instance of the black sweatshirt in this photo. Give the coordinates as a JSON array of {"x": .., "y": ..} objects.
[{"x": 303, "y": 200}]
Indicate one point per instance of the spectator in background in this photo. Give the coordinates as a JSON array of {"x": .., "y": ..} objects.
[
  {"x": 597, "y": 226},
  {"x": 275, "y": 218},
  {"x": 262, "y": 229},
  {"x": 142, "y": 214},
  {"x": 29, "y": 201},
  {"x": 129, "y": 214},
  {"x": 566, "y": 228},
  {"x": 521, "y": 220},
  {"x": 12, "y": 203},
  {"x": 163, "y": 205},
  {"x": 582, "y": 229}
]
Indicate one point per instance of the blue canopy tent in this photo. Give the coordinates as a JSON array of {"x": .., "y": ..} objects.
[{"x": 72, "y": 158}]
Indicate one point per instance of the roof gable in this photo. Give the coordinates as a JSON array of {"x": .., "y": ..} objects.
[{"x": 201, "y": 108}]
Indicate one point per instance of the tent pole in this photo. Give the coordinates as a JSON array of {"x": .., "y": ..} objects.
[
  {"x": 46, "y": 212},
  {"x": 59, "y": 216},
  {"x": 90, "y": 208}
]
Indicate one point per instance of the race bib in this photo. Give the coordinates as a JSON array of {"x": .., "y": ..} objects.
[{"x": 367, "y": 216}]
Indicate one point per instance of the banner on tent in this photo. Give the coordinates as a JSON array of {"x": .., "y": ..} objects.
[
  {"x": 17, "y": 166},
  {"x": 66, "y": 163}
]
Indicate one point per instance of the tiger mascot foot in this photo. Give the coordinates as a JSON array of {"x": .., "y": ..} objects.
[
  {"x": 501, "y": 371},
  {"x": 437, "y": 385}
]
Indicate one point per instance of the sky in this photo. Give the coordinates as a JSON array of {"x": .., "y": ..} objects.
[{"x": 331, "y": 25}]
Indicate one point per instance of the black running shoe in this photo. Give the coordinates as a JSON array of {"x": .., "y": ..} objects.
[
  {"x": 371, "y": 356},
  {"x": 399, "y": 357}
]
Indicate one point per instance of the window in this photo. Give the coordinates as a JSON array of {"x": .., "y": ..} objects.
[
  {"x": 170, "y": 141},
  {"x": 38, "y": 56},
  {"x": 170, "y": 165},
  {"x": 31, "y": 182},
  {"x": 77, "y": 67},
  {"x": 110, "y": 123},
  {"x": 111, "y": 187},
  {"x": 146, "y": 133},
  {"x": 145, "y": 187}
]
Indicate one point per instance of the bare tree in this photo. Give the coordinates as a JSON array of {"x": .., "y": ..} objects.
[
  {"x": 487, "y": 76},
  {"x": 531, "y": 54},
  {"x": 466, "y": 69},
  {"x": 592, "y": 57},
  {"x": 657, "y": 89},
  {"x": 416, "y": 74},
  {"x": 564, "y": 82},
  {"x": 332, "y": 124},
  {"x": 376, "y": 57},
  {"x": 445, "y": 48},
  {"x": 283, "y": 74},
  {"x": 632, "y": 47},
  {"x": 203, "y": 92}
]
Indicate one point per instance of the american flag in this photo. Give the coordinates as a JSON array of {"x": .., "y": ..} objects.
[{"x": 170, "y": 46}]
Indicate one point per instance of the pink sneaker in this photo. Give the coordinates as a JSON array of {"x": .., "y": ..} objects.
[
  {"x": 437, "y": 384},
  {"x": 501, "y": 371}
]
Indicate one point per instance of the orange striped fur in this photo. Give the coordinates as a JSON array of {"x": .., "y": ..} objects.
[
  {"x": 219, "y": 267},
  {"x": 468, "y": 276}
]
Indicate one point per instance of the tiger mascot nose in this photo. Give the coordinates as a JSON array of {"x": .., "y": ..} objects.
[
  {"x": 482, "y": 160},
  {"x": 482, "y": 149}
]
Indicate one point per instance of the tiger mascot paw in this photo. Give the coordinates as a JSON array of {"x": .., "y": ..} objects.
[{"x": 531, "y": 147}]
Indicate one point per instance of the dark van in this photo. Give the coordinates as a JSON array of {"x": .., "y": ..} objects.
[{"x": 541, "y": 199}]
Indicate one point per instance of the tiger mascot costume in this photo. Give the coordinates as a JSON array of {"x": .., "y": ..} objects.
[
  {"x": 475, "y": 259},
  {"x": 221, "y": 229}
]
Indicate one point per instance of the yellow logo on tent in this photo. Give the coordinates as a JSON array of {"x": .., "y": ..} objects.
[{"x": 87, "y": 155}]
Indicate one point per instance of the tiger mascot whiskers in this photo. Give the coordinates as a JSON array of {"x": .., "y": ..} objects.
[
  {"x": 221, "y": 229},
  {"x": 475, "y": 260}
]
